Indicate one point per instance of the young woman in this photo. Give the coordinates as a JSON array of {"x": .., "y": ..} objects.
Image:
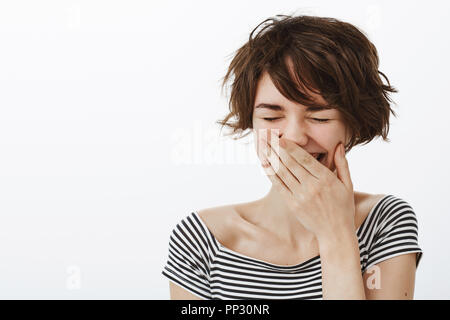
[{"x": 310, "y": 90}]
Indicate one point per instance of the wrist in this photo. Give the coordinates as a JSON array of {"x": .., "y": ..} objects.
[{"x": 337, "y": 240}]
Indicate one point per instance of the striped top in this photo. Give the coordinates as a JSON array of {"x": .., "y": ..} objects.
[{"x": 203, "y": 266}]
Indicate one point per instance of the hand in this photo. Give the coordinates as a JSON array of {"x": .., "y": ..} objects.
[{"x": 322, "y": 201}]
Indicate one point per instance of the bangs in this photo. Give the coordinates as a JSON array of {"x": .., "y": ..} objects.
[{"x": 295, "y": 80}]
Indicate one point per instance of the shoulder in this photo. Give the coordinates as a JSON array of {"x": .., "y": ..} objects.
[
  {"x": 393, "y": 218},
  {"x": 190, "y": 235},
  {"x": 367, "y": 199},
  {"x": 396, "y": 211},
  {"x": 189, "y": 257},
  {"x": 225, "y": 223},
  {"x": 364, "y": 203},
  {"x": 394, "y": 231},
  {"x": 388, "y": 208},
  {"x": 191, "y": 243}
]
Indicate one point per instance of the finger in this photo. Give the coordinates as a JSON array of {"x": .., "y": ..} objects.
[
  {"x": 283, "y": 173},
  {"x": 298, "y": 171},
  {"x": 277, "y": 183},
  {"x": 261, "y": 147},
  {"x": 343, "y": 171},
  {"x": 303, "y": 158}
]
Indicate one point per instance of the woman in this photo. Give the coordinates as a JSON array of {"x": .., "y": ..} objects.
[{"x": 310, "y": 90}]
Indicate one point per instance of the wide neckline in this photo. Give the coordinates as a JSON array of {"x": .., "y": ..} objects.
[{"x": 223, "y": 247}]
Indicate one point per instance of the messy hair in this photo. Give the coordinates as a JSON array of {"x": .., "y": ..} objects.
[{"x": 329, "y": 57}]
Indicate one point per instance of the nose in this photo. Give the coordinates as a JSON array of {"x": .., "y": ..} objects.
[{"x": 296, "y": 133}]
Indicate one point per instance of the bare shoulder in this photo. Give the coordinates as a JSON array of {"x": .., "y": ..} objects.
[
  {"x": 225, "y": 223},
  {"x": 372, "y": 199},
  {"x": 218, "y": 220},
  {"x": 364, "y": 202}
]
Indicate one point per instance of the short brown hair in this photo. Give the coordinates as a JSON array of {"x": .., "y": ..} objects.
[{"x": 329, "y": 57}]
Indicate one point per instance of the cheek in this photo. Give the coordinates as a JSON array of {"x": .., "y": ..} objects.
[
  {"x": 262, "y": 124},
  {"x": 325, "y": 136},
  {"x": 330, "y": 135},
  {"x": 329, "y": 140}
]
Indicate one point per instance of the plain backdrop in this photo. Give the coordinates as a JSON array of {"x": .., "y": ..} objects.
[{"x": 108, "y": 135}]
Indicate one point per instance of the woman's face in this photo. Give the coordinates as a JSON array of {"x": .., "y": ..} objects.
[{"x": 297, "y": 122}]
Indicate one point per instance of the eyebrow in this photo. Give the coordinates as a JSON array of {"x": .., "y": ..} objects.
[{"x": 276, "y": 107}]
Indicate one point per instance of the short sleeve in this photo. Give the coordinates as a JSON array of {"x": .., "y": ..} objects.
[
  {"x": 396, "y": 233},
  {"x": 187, "y": 262}
]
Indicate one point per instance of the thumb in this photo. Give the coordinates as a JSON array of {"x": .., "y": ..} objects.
[{"x": 343, "y": 171}]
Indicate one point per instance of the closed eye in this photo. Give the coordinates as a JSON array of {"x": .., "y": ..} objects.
[
  {"x": 320, "y": 120},
  {"x": 270, "y": 119},
  {"x": 315, "y": 119}
]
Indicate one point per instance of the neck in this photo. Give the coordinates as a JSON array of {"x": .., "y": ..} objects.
[{"x": 279, "y": 219}]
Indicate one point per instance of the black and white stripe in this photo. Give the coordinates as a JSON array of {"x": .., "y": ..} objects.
[{"x": 203, "y": 266}]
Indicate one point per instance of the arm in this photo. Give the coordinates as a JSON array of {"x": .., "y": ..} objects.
[
  {"x": 394, "y": 254},
  {"x": 178, "y": 293},
  {"x": 341, "y": 267},
  {"x": 392, "y": 279}
]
